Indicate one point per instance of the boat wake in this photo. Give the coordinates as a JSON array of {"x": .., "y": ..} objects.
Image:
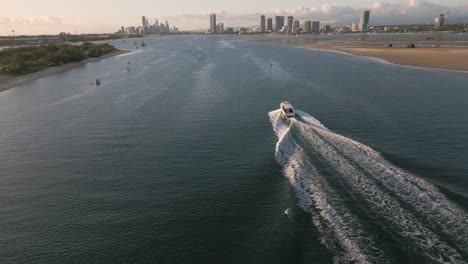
[{"x": 366, "y": 209}]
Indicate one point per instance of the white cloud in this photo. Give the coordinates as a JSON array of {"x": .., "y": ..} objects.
[
  {"x": 406, "y": 11},
  {"x": 14, "y": 21}
]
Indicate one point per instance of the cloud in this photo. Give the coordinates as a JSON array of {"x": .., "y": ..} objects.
[
  {"x": 412, "y": 11},
  {"x": 27, "y": 25},
  {"x": 403, "y": 12},
  {"x": 19, "y": 21},
  {"x": 51, "y": 25}
]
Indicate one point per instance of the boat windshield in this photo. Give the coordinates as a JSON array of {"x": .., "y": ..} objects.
[{"x": 288, "y": 110}]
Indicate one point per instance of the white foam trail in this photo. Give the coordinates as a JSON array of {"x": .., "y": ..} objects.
[
  {"x": 340, "y": 231},
  {"x": 128, "y": 53},
  {"x": 280, "y": 128},
  {"x": 173, "y": 54},
  {"x": 406, "y": 208}
]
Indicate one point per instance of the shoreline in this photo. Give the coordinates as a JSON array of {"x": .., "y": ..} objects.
[
  {"x": 453, "y": 59},
  {"x": 450, "y": 56},
  {"x": 7, "y": 82}
]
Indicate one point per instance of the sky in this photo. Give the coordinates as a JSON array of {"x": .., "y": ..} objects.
[{"x": 29, "y": 17}]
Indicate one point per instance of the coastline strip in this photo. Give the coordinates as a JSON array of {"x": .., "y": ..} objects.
[
  {"x": 453, "y": 59},
  {"x": 450, "y": 57},
  {"x": 8, "y": 82}
]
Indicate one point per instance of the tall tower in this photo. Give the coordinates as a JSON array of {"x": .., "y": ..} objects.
[
  {"x": 144, "y": 24},
  {"x": 156, "y": 25},
  {"x": 213, "y": 23},
  {"x": 270, "y": 24},
  {"x": 439, "y": 21},
  {"x": 364, "y": 21},
  {"x": 308, "y": 27},
  {"x": 316, "y": 27},
  {"x": 220, "y": 28},
  {"x": 262, "y": 23},
  {"x": 296, "y": 26},
  {"x": 279, "y": 23},
  {"x": 290, "y": 23}
]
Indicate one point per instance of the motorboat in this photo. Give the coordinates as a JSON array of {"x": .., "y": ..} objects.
[
  {"x": 98, "y": 82},
  {"x": 287, "y": 110}
]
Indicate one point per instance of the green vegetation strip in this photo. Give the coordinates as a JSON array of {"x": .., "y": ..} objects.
[{"x": 23, "y": 60}]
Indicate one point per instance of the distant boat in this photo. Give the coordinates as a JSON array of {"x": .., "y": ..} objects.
[
  {"x": 98, "y": 82},
  {"x": 128, "y": 66},
  {"x": 271, "y": 61},
  {"x": 143, "y": 44}
]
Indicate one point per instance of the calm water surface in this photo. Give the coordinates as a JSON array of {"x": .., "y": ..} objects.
[{"x": 184, "y": 159}]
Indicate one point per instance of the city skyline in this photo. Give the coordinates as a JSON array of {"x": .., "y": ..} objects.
[
  {"x": 148, "y": 27},
  {"x": 53, "y": 20}
]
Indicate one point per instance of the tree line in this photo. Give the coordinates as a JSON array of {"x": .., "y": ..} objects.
[{"x": 24, "y": 60}]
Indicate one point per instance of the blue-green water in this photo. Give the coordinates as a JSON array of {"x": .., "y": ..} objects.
[{"x": 184, "y": 159}]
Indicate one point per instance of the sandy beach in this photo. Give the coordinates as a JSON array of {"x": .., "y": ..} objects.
[
  {"x": 441, "y": 58},
  {"x": 429, "y": 52},
  {"x": 7, "y": 82}
]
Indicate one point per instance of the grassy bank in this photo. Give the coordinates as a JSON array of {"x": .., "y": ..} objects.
[{"x": 24, "y": 60}]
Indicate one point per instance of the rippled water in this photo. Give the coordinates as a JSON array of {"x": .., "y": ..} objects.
[{"x": 176, "y": 161}]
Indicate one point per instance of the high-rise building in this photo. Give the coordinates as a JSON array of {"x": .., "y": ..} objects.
[
  {"x": 131, "y": 30},
  {"x": 308, "y": 27},
  {"x": 364, "y": 21},
  {"x": 354, "y": 27},
  {"x": 262, "y": 23},
  {"x": 316, "y": 27},
  {"x": 270, "y": 24},
  {"x": 213, "y": 23},
  {"x": 326, "y": 28},
  {"x": 220, "y": 28},
  {"x": 144, "y": 24},
  {"x": 279, "y": 23},
  {"x": 296, "y": 26},
  {"x": 290, "y": 23},
  {"x": 439, "y": 21}
]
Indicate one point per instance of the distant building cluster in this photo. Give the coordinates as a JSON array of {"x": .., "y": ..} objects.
[
  {"x": 268, "y": 25},
  {"x": 148, "y": 28},
  {"x": 289, "y": 25}
]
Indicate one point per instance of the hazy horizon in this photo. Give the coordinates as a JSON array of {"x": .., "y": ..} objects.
[{"x": 53, "y": 16}]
